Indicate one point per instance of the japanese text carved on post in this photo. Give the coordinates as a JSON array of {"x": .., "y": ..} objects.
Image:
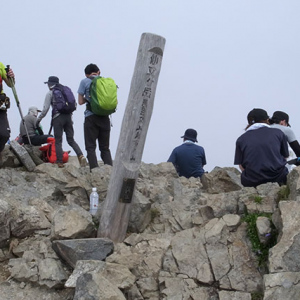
[{"x": 116, "y": 208}]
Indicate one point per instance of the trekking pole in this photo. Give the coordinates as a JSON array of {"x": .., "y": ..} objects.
[
  {"x": 51, "y": 125},
  {"x": 12, "y": 85}
]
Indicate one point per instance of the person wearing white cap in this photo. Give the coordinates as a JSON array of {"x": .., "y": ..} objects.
[{"x": 36, "y": 135}]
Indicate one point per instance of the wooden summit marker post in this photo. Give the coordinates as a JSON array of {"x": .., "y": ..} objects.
[{"x": 116, "y": 208}]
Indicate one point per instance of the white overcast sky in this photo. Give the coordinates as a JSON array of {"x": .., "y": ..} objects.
[{"x": 221, "y": 59}]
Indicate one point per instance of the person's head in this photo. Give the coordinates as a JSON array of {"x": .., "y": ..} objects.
[
  {"x": 280, "y": 117},
  {"x": 191, "y": 135},
  {"x": 33, "y": 110},
  {"x": 257, "y": 115},
  {"x": 91, "y": 68},
  {"x": 52, "y": 81}
]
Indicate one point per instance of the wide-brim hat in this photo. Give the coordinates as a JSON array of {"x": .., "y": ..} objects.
[
  {"x": 52, "y": 80},
  {"x": 190, "y": 134},
  {"x": 280, "y": 116}
]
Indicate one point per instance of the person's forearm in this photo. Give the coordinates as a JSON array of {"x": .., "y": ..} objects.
[
  {"x": 81, "y": 99},
  {"x": 296, "y": 147},
  {"x": 46, "y": 107}
]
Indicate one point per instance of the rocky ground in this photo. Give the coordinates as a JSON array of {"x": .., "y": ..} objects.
[{"x": 187, "y": 239}]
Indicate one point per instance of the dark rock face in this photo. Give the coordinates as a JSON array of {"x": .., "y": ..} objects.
[{"x": 83, "y": 249}]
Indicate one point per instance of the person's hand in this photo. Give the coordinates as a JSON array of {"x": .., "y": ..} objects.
[{"x": 10, "y": 73}]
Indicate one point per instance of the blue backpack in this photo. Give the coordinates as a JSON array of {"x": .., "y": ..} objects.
[{"x": 64, "y": 99}]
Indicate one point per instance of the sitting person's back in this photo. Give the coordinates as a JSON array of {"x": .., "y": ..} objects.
[
  {"x": 189, "y": 158},
  {"x": 261, "y": 152}
]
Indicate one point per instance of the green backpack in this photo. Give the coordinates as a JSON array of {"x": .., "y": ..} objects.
[{"x": 103, "y": 96}]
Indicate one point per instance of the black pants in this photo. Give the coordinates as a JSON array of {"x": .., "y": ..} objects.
[
  {"x": 63, "y": 123},
  {"x": 36, "y": 140},
  {"x": 4, "y": 129},
  {"x": 97, "y": 128}
]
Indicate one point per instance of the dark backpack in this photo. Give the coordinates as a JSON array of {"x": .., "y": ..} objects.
[
  {"x": 64, "y": 100},
  {"x": 103, "y": 96}
]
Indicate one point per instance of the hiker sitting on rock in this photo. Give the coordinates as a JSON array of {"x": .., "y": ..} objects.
[
  {"x": 36, "y": 135},
  {"x": 189, "y": 158},
  {"x": 261, "y": 151},
  {"x": 280, "y": 120}
]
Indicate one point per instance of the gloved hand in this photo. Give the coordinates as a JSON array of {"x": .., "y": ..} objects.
[{"x": 297, "y": 163}]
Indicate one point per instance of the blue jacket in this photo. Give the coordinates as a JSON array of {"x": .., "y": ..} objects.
[{"x": 188, "y": 160}]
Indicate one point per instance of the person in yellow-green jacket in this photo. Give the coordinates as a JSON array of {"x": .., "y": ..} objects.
[{"x": 4, "y": 105}]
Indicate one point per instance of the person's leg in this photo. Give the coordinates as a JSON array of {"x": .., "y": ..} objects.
[
  {"x": 4, "y": 130},
  {"x": 69, "y": 130},
  {"x": 4, "y": 133},
  {"x": 103, "y": 140},
  {"x": 58, "y": 125},
  {"x": 90, "y": 137},
  {"x": 38, "y": 140}
]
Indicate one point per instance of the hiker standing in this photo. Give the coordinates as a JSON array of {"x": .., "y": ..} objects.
[
  {"x": 261, "y": 151},
  {"x": 96, "y": 127},
  {"x": 36, "y": 135},
  {"x": 4, "y": 105},
  {"x": 61, "y": 122},
  {"x": 189, "y": 158}
]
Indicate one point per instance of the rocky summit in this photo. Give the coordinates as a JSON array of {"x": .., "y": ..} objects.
[{"x": 186, "y": 240}]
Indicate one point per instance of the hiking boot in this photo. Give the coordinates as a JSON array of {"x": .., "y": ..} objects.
[
  {"x": 82, "y": 161},
  {"x": 60, "y": 165}
]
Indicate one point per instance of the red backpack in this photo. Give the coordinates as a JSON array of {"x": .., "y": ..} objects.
[{"x": 49, "y": 152}]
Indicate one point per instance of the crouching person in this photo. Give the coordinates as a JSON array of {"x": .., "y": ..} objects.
[{"x": 36, "y": 135}]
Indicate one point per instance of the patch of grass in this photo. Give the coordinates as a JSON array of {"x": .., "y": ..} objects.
[
  {"x": 154, "y": 213},
  {"x": 257, "y": 296},
  {"x": 283, "y": 193},
  {"x": 257, "y": 199},
  {"x": 261, "y": 250}
]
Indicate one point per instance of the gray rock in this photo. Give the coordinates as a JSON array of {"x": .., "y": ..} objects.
[
  {"x": 72, "y": 251},
  {"x": 263, "y": 226},
  {"x": 221, "y": 180},
  {"x": 282, "y": 286},
  {"x": 51, "y": 273},
  {"x": 192, "y": 260},
  {"x": 228, "y": 295},
  {"x": 284, "y": 256},
  {"x": 118, "y": 275},
  {"x": 140, "y": 215},
  {"x": 95, "y": 286},
  {"x": 179, "y": 288},
  {"x": 26, "y": 220},
  {"x": 70, "y": 222},
  {"x": 22, "y": 155},
  {"x": 293, "y": 182},
  {"x": 5, "y": 219}
]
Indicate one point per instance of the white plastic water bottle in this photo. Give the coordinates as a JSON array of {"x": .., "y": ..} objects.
[{"x": 94, "y": 201}]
